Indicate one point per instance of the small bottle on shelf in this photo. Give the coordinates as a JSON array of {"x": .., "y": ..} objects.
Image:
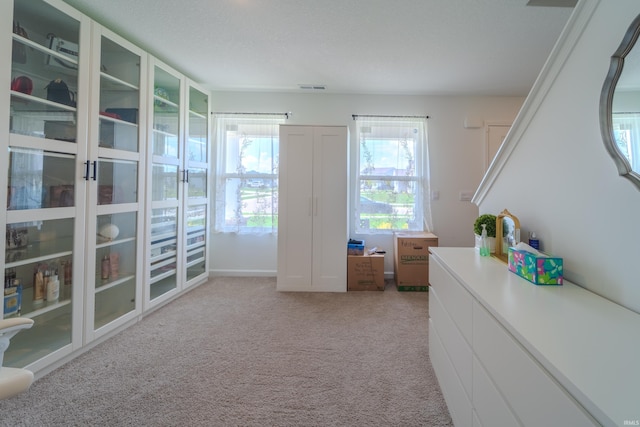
[
  {"x": 53, "y": 288},
  {"x": 533, "y": 241},
  {"x": 484, "y": 245},
  {"x": 106, "y": 267}
]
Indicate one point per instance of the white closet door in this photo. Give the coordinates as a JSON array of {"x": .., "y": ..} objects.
[
  {"x": 295, "y": 208},
  {"x": 330, "y": 187}
]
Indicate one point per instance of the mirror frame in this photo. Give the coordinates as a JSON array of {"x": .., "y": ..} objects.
[
  {"x": 499, "y": 231},
  {"x": 606, "y": 100}
]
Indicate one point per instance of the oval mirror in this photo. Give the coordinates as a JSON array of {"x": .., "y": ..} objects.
[
  {"x": 507, "y": 234},
  {"x": 620, "y": 106}
]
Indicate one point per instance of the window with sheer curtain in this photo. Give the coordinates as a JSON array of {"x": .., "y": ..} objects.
[
  {"x": 392, "y": 175},
  {"x": 626, "y": 131},
  {"x": 247, "y": 172}
]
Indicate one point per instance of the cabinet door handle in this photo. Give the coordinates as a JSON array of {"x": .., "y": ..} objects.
[
  {"x": 95, "y": 168},
  {"x": 86, "y": 170},
  {"x": 186, "y": 173}
]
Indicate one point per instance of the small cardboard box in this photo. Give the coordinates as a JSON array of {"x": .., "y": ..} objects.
[
  {"x": 411, "y": 260},
  {"x": 355, "y": 248},
  {"x": 365, "y": 272},
  {"x": 539, "y": 270}
]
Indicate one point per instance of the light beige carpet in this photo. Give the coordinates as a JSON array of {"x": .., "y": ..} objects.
[{"x": 235, "y": 352}]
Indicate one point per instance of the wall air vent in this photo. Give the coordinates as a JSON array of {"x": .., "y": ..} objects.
[{"x": 312, "y": 87}]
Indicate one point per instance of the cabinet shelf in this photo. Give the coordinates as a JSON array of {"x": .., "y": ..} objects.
[
  {"x": 118, "y": 121},
  {"x": 113, "y": 83},
  {"x": 31, "y": 310},
  {"x": 166, "y": 103},
  {"x": 115, "y": 242},
  {"x": 38, "y": 105},
  {"x": 196, "y": 114},
  {"x": 37, "y": 252},
  {"x": 160, "y": 277},
  {"x": 45, "y": 50},
  {"x": 197, "y": 245},
  {"x": 108, "y": 284},
  {"x": 155, "y": 259},
  {"x": 164, "y": 133},
  {"x": 194, "y": 262}
]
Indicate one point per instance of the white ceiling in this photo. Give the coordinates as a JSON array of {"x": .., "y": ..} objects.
[{"x": 432, "y": 47}]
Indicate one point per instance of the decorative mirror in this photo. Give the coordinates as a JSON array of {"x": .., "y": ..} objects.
[
  {"x": 507, "y": 234},
  {"x": 620, "y": 106}
]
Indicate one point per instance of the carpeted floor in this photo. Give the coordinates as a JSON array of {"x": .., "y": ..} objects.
[{"x": 235, "y": 352}]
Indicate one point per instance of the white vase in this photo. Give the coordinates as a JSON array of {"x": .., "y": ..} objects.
[{"x": 492, "y": 243}]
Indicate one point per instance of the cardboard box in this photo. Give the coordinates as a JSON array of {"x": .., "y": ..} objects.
[
  {"x": 539, "y": 270},
  {"x": 355, "y": 248},
  {"x": 365, "y": 272},
  {"x": 411, "y": 260}
]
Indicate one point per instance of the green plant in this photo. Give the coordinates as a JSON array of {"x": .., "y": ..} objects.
[{"x": 489, "y": 220}]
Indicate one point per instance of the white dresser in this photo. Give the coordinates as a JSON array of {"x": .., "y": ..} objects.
[{"x": 507, "y": 352}]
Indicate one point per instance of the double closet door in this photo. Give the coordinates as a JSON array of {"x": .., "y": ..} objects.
[{"x": 313, "y": 209}]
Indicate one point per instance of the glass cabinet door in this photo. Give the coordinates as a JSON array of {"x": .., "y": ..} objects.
[
  {"x": 116, "y": 183},
  {"x": 44, "y": 72},
  {"x": 45, "y": 197},
  {"x": 166, "y": 176},
  {"x": 197, "y": 171},
  {"x": 39, "y": 251},
  {"x": 196, "y": 241}
]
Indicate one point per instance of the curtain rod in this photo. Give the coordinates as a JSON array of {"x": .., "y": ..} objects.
[
  {"x": 287, "y": 115},
  {"x": 355, "y": 116}
]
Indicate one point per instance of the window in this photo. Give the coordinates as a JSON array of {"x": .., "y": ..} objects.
[
  {"x": 247, "y": 172},
  {"x": 393, "y": 174},
  {"x": 626, "y": 131}
]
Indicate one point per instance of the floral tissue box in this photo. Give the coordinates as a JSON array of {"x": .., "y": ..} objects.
[{"x": 539, "y": 270}]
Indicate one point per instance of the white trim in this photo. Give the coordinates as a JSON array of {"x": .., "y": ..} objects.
[{"x": 550, "y": 71}]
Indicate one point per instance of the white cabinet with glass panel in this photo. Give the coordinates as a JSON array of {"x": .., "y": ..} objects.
[
  {"x": 178, "y": 191},
  {"x": 43, "y": 127},
  {"x": 164, "y": 179},
  {"x": 115, "y": 171},
  {"x": 196, "y": 170}
]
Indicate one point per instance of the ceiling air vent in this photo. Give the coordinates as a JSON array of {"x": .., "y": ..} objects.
[{"x": 312, "y": 87}]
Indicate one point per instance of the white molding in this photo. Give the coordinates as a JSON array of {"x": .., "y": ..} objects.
[{"x": 550, "y": 71}]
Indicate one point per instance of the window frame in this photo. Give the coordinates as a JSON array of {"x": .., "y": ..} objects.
[
  {"x": 421, "y": 212},
  {"x": 224, "y": 177}
]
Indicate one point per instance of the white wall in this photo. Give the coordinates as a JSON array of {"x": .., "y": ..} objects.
[
  {"x": 559, "y": 179},
  {"x": 456, "y": 154}
]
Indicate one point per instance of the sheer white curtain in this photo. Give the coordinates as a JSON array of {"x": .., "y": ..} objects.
[
  {"x": 393, "y": 174},
  {"x": 626, "y": 129},
  {"x": 247, "y": 172}
]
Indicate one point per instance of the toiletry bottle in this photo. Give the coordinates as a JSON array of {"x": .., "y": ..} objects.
[
  {"x": 533, "y": 241},
  {"x": 38, "y": 287},
  {"x": 106, "y": 267},
  {"x": 45, "y": 283},
  {"x": 53, "y": 288},
  {"x": 484, "y": 246}
]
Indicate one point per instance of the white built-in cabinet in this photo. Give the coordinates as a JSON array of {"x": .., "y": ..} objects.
[
  {"x": 92, "y": 183},
  {"x": 177, "y": 180},
  {"x": 509, "y": 353},
  {"x": 312, "y": 208}
]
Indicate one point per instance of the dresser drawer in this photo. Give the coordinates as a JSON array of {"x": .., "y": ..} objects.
[
  {"x": 490, "y": 407},
  {"x": 458, "y": 403},
  {"x": 454, "y": 298},
  {"x": 534, "y": 396},
  {"x": 456, "y": 347}
]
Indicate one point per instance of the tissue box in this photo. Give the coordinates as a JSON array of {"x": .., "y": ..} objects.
[
  {"x": 354, "y": 248},
  {"x": 538, "y": 270}
]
